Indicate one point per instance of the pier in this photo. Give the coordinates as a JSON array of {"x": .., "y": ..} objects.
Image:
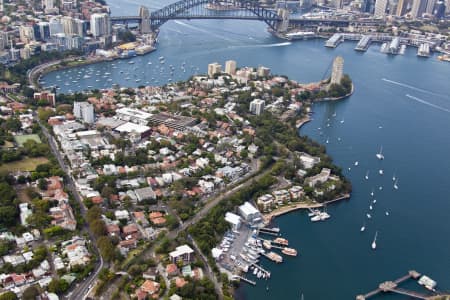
[
  {"x": 267, "y": 232},
  {"x": 262, "y": 270},
  {"x": 271, "y": 230},
  {"x": 245, "y": 280},
  {"x": 392, "y": 286}
]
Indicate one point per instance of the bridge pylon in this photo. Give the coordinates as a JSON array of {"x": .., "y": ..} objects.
[
  {"x": 282, "y": 25},
  {"x": 144, "y": 14}
]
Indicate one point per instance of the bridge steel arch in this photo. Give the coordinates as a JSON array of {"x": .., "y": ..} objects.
[{"x": 172, "y": 11}]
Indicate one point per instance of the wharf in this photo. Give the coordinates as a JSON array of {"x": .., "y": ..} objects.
[
  {"x": 392, "y": 286},
  {"x": 262, "y": 270},
  {"x": 245, "y": 280}
]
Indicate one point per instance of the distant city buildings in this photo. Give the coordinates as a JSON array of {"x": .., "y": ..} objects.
[
  {"x": 337, "y": 71},
  {"x": 214, "y": 68},
  {"x": 257, "y": 106},
  {"x": 230, "y": 67},
  {"x": 84, "y": 111}
]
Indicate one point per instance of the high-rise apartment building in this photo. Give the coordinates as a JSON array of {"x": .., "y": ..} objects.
[
  {"x": 230, "y": 67},
  {"x": 214, "y": 68},
  {"x": 337, "y": 71},
  {"x": 100, "y": 25},
  {"x": 257, "y": 106},
  {"x": 418, "y": 8},
  {"x": 84, "y": 111}
]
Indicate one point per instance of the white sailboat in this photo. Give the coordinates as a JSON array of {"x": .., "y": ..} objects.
[
  {"x": 387, "y": 213},
  {"x": 367, "y": 175},
  {"x": 374, "y": 243},
  {"x": 381, "y": 172},
  {"x": 342, "y": 121},
  {"x": 393, "y": 177},
  {"x": 371, "y": 193},
  {"x": 368, "y": 216},
  {"x": 370, "y": 207},
  {"x": 374, "y": 201},
  {"x": 380, "y": 155},
  {"x": 356, "y": 163},
  {"x": 395, "y": 184}
]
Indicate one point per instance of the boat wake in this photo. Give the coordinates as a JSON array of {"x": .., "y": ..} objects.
[
  {"x": 428, "y": 103},
  {"x": 414, "y": 88},
  {"x": 263, "y": 45}
]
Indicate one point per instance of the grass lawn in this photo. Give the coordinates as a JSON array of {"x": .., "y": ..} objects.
[
  {"x": 21, "y": 139},
  {"x": 26, "y": 164}
]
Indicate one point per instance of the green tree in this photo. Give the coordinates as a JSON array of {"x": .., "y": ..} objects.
[
  {"x": 8, "y": 296},
  {"x": 30, "y": 293},
  {"x": 58, "y": 286}
]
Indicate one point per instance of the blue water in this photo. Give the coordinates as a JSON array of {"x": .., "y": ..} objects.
[{"x": 401, "y": 103}]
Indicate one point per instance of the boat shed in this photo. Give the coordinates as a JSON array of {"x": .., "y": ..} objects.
[
  {"x": 249, "y": 213},
  {"x": 234, "y": 220}
]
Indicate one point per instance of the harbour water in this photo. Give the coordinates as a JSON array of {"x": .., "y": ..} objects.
[{"x": 401, "y": 103}]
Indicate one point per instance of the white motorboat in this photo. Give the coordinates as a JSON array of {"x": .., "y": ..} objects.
[
  {"x": 374, "y": 201},
  {"x": 381, "y": 172},
  {"x": 367, "y": 175},
  {"x": 395, "y": 185},
  {"x": 374, "y": 243},
  {"x": 356, "y": 163},
  {"x": 380, "y": 155},
  {"x": 342, "y": 121},
  {"x": 368, "y": 216},
  {"x": 371, "y": 193},
  {"x": 316, "y": 218},
  {"x": 370, "y": 207},
  {"x": 363, "y": 228}
]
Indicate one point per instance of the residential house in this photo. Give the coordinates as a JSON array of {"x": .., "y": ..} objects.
[
  {"x": 265, "y": 202},
  {"x": 182, "y": 253}
]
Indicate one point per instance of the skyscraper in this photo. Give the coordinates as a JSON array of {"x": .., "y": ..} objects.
[
  {"x": 230, "y": 67},
  {"x": 339, "y": 4},
  {"x": 401, "y": 7},
  {"x": 380, "y": 8},
  {"x": 100, "y": 25},
  {"x": 337, "y": 71},
  {"x": 430, "y": 6},
  {"x": 418, "y": 8},
  {"x": 1, "y": 6}
]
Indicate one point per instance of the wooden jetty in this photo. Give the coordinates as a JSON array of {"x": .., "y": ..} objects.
[
  {"x": 245, "y": 279},
  {"x": 392, "y": 287},
  {"x": 262, "y": 269},
  {"x": 267, "y": 232}
]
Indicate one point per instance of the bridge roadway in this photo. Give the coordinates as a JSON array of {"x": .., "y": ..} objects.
[{"x": 296, "y": 21}]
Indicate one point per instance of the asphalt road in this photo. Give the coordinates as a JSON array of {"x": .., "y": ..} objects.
[{"x": 81, "y": 290}]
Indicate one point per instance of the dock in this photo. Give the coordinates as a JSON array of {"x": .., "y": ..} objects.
[
  {"x": 364, "y": 43},
  {"x": 245, "y": 280},
  {"x": 262, "y": 270},
  {"x": 271, "y": 230},
  {"x": 392, "y": 287},
  {"x": 267, "y": 232},
  {"x": 272, "y": 244}
]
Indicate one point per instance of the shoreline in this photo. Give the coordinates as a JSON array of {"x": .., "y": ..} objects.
[
  {"x": 293, "y": 207},
  {"x": 337, "y": 98}
]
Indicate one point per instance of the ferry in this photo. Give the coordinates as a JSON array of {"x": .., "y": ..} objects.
[
  {"x": 289, "y": 251},
  {"x": 275, "y": 257},
  {"x": 445, "y": 57},
  {"x": 281, "y": 241}
]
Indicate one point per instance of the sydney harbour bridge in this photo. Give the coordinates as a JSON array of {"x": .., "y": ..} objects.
[{"x": 278, "y": 21}]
